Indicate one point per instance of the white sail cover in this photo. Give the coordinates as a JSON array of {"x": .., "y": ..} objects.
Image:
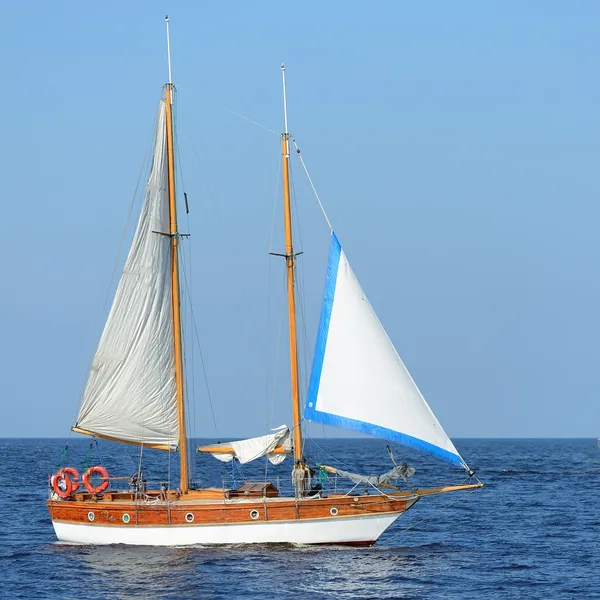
[
  {"x": 251, "y": 449},
  {"x": 131, "y": 393},
  {"x": 358, "y": 381}
]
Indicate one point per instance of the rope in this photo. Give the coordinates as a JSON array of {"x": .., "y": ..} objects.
[
  {"x": 282, "y": 319},
  {"x": 88, "y": 456},
  {"x": 190, "y": 405},
  {"x": 139, "y": 471},
  {"x": 271, "y": 370},
  {"x": 205, "y": 182},
  {"x": 187, "y": 403},
  {"x": 311, "y": 184},
  {"x": 461, "y": 497},
  {"x": 98, "y": 448},
  {"x": 247, "y": 119},
  {"x": 64, "y": 456},
  {"x": 187, "y": 290},
  {"x": 169, "y": 469},
  {"x": 331, "y": 456},
  {"x": 300, "y": 292}
]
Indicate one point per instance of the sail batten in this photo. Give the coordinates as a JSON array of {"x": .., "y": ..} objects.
[
  {"x": 358, "y": 380},
  {"x": 131, "y": 390}
]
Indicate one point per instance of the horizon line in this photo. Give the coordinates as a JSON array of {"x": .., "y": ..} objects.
[{"x": 226, "y": 437}]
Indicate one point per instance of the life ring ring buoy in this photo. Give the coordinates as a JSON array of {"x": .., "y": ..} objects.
[
  {"x": 88, "y": 484},
  {"x": 65, "y": 482},
  {"x": 74, "y": 477}
]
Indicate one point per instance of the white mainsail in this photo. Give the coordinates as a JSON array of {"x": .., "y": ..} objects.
[
  {"x": 131, "y": 391},
  {"x": 358, "y": 380}
]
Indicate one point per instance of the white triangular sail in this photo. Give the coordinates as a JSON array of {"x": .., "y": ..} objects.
[
  {"x": 131, "y": 393},
  {"x": 358, "y": 381}
]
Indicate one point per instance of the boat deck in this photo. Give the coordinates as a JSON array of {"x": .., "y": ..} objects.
[{"x": 208, "y": 496}]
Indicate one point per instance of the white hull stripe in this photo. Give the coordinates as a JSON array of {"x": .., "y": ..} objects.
[{"x": 340, "y": 530}]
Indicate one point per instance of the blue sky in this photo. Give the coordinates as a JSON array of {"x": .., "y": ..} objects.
[{"x": 454, "y": 145}]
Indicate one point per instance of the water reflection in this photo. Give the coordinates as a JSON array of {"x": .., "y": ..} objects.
[{"x": 122, "y": 572}]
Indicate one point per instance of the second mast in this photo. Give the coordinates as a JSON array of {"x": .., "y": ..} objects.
[{"x": 290, "y": 259}]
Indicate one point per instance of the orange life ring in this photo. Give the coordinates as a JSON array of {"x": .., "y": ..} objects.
[
  {"x": 74, "y": 477},
  {"x": 99, "y": 488},
  {"x": 69, "y": 477}
]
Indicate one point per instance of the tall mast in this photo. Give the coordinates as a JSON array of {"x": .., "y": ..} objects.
[
  {"x": 169, "y": 93},
  {"x": 290, "y": 264}
]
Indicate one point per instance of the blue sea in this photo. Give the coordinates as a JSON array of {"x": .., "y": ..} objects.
[{"x": 533, "y": 531}]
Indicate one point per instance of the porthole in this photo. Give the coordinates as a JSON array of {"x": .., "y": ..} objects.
[
  {"x": 126, "y": 518},
  {"x": 91, "y": 516},
  {"x": 334, "y": 511},
  {"x": 254, "y": 514},
  {"x": 189, "y": 518}
]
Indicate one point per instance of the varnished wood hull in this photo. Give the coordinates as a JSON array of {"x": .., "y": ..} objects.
[{"x": 358, "y": 520}]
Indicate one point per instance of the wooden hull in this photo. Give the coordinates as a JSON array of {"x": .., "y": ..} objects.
[{"x": 198, "y": 519}]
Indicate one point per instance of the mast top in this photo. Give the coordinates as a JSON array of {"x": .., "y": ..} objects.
[
  {"x": 285, "y": 119},
  {"x": 170, "y": 82}
]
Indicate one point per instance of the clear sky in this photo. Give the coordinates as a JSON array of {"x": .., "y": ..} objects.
[{"x": 455, "y": 147}]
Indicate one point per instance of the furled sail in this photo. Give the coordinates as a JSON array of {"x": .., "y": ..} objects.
[
  {"x": 131, "y": 393},
  {"x": 274, "y": 446},
  {"x": 358, "y": 381},
  {"x": 402, "y": 471}
]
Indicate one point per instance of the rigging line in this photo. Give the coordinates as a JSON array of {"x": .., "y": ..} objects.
[
  {"x": 143, "y": 406},
  {"x": 205, "y": 182},
  {"x": 305, "y": 352},
  {"x": 311, "y": 183},
  {"x": 282, "y": 318},
  {"x": 177, "y": 151},
  {"x": 247, "y": 119},
  {"x": 137, "y": 185},
  {"x": 268, "y": 303},
  {"x": 458, "y": 499},
  {"x": 98, "y": 448},
  {"x": 192, "y": 402},
  {"x": 266, "y": 468},
  {"x": 186, "y": 407},
  {"x": 190, "y": 406},
  {"x": 143, "y": 409},
  {"x": 330, "y": 456},
  {"x": 143, "y": 167},
  {"x": 303, "y": 380},
  {"x": 195, "y": 327},
  {"x": 301, "y": 296},
  {"x": 301, "y": 290},
  {"x": 275, "y": 205},
  {"x": 169, "y": 468}
]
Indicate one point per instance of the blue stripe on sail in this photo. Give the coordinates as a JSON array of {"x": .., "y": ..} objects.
[
  {"x": 310, "y": 411},
  {"x": 335, "y": 251},
  {"x": 387, "y": 434}
]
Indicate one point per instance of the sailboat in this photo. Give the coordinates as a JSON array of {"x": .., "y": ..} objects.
[{"x": 135, "y": 395}]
